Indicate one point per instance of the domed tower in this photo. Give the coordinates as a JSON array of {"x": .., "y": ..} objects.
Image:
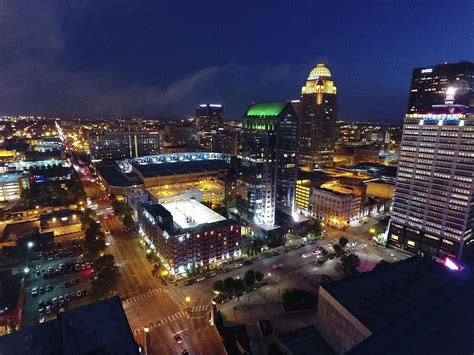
[{"x": 317, "y": 111}]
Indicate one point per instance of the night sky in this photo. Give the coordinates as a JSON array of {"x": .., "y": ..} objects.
[{"x": 162, "y": 58}]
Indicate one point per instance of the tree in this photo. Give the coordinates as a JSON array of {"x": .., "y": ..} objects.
[
  {"x": 249, "y": 278},
  {"x": 106, "y": 276},
  {"x": 259, "y": 276},
  {"x": 239, "y": 285},
  {"x": 118, "y": 207},
  {"x": 337, "y": 249},
  {"x": 128, "y": 220},
  {"x": 343, "y": 242},
  {"x": 218, "y": 286},
  {"x": 349, "y": 264},
  {"x": 314, "y": 230},
  {"x": 94, "y": 240},
  {"x": 229, "y": 285}
]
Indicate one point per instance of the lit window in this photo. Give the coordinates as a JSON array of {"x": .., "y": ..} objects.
[{"x": 411, "y": 243}]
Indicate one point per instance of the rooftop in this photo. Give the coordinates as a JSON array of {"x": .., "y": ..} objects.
[
  {"x": 100, "y": 327},
  {"x": 179, "y": 168},
  {"x": 190, "y": 213},
  {"x": 10, "y": 177},
  {"x": 382, "y": 296},
  {"x": 266, "y": 109}
]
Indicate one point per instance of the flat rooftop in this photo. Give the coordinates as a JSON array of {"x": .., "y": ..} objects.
[
  {"x": 382, "y": 296},
  {"x": 10, "y": 177},
  {"x": 179, "y": 168},
  {"x": 191, "y": 213},
  {"x": 97, "y": 328}
]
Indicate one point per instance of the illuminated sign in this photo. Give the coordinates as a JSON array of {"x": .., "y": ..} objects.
[
  {"x": 451, "y": 264},
  {"x": 427, "y": 70}
]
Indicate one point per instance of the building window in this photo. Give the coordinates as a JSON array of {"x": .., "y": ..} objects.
[{"x": 411, "y": 243}]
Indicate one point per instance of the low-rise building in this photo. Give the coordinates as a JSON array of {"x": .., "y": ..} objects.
[
  {"x": 187, "y": 235},
  {"x": 11, "y": 186},
  {"x": 12, "y": 302},
  {"x": 409, "y": 307}
]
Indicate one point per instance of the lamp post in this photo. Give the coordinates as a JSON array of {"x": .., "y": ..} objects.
[
  {"x": 29, "y": 245},
  {"x": 146, "y": 331},
  {"x": 188, "y": 301}
]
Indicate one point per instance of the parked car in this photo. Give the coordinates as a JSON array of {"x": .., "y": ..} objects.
[
  {"x": 238, "y": 265},
  {"x": 67, "y": 298},
  {"x": 49, "y": 288},
  {"x": 189, "y": 282},
  {"x": 41, "y": 290},
  {"x": 200, "y": 278},
  {"x": 78, "y": 293},
  {"x": 34, "y": 291}
]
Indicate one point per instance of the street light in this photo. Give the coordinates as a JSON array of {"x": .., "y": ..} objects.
[
  {"x": 188, "y": 299},
  {"x": 26, "y": 270},
  {"x": 30, "y": 245}
]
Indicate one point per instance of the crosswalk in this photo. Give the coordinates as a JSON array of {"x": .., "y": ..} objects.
[
  {"x": 201, "y": 308},
  {"x": 177, "y": 299},
  {"x": 160, "y": 322},
  {"x": 142, "y": 296}
]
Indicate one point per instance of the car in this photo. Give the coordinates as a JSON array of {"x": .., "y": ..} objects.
[
  {"x": 238, "y": 266},
  {"x": 54, "y": 300},
  {"x": 38, "y": 274},
  {"x": 73, "y": 295},
  {"x": 227, "y": 269},
  {"x": 56, "y": 256},
  {"x": 61, "y": 266},
  {"x": 41, "y": 290},
  {"x": 34, "y": 291},
  {"x": 38, "y": 267},
  {"x": 67, "y": 298},
  {"x": 60, "y": 298},
  {"x": 189, "y": 282},
  {"x": 50, "y": 269},
  {"x": 200, "y": 278},
  {"x": 49, "y": 288},
  {"x": 88, "y": 265},
  {"x": 61, "y": 304},
  {"x": 41, "y": 304},
  {"x": 84, "y": 292},
  {"x": 50, "y": 258},
  {"x": 77, "y": 267},
  {"x": 83, "y": 266},
  {"x": 248, "y": 262},
  {"x": 178, "y": 338},
  {"x": 78, "y": 293},
  {"x": 185, "y": 352},
  {"x": 41, "y": 311},
  {"x": 48, "y": 309},
  {"x": 276, "y": 266},
  {"x": 212, "y": 274}
]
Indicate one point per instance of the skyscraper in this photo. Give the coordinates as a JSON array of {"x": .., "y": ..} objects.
[
  {"x": 433, "y": 206},
  {"x": 210, "y": 117},
  {"x": 268, "y": 160},
  {"x": 429, "y": 84},
  {"x": 317, "y": 111}
]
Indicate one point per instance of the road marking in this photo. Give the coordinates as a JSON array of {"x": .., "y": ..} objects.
[
  {"x": 177, "y": 299},
  {"x": 140, "y": 297},
  {"x": 201, "y": 308},
  {"x": 160, "y": 322}
]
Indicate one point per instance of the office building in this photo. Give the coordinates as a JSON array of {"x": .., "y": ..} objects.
[
  {"x": 433, "y": 204},
  {"x": 317, "y": 112},
  {"x": 408, "y": 307},
  {"x": 12, "y": 302},
  {"x": 268, "y": 161},
  {"x": 11, "y": 186},
  {"x": 186, "y": 235},
  {"x": 429, "y": 85},
  {"x": 210, "y": 117},
  {"x": 121, "y": 145}
]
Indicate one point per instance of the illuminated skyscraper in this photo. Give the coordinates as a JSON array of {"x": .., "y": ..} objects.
[
  {"x": 429, "y": 84},
  {"x": 317, "y": 111},
  {"x": 268, "y": 160},
  {"x": 433, "y": 205},
  {"x": 210, "y": 117}
]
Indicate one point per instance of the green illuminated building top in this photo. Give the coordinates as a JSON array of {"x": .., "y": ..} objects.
[{"x": 266, "y": 109}]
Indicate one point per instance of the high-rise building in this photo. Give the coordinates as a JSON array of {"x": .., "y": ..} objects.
[
  {"x": 122, "y": 145},
  {"x": 429, "y": 84},
  {"x": 433, "y": 206},
  {"x": 317, "y": 112},
  {"x": 209, "y": 117},
  {"x": 268, "y": 160}
]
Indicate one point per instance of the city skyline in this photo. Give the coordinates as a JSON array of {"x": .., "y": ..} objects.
[{"x": 83, "y": 60}]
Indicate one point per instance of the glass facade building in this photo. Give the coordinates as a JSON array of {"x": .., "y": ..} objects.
[{"x": 268, "y": 161}]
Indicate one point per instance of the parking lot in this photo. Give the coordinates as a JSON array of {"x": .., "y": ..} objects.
[{"x": 59, "y": 280}]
